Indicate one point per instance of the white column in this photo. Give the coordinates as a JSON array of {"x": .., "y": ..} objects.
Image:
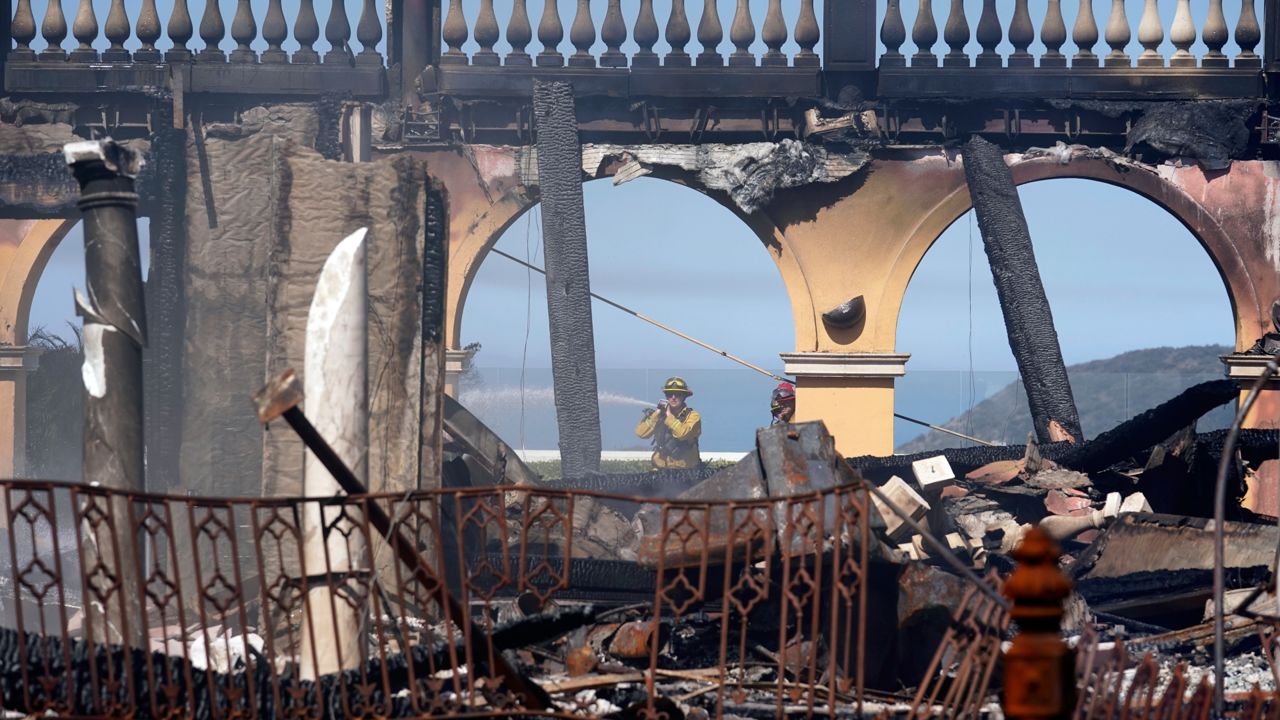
[{"x": 335, "y": 381}]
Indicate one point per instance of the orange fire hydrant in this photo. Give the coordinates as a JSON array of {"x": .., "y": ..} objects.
[{"x": 1039, "y": 669}]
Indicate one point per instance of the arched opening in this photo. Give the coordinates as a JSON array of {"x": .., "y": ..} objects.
[
  {"x": 666, "y": 251},
  {"x": 52, "y": 414},
  {"x": 1141, "y": 310}
]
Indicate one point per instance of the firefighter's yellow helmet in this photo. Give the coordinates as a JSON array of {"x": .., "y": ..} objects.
[{"x": 676, "y": 385}]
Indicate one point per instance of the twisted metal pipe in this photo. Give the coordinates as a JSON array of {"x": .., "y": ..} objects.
[{"x": 1219, "y": 549}]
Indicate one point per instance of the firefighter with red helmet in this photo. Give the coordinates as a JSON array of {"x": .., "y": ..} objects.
[
  {"x": 783, "y": 403},
  {"x": 674, "y": 428}
]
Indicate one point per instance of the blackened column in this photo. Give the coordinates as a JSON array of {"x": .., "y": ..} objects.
[
  {"x": 1027, "y": 317},
  {"x": 115, "y": 321},
  {"x": 115, "y": 331},
  {"x": 166, "y": 308},
  {"x": 564, "y": 229}
]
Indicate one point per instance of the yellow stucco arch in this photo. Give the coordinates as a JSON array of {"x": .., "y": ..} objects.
[
  {"x": 469, "y": 249},
  {"x": 1222, "y": 250},
  {"x": 25, "y": 249}
]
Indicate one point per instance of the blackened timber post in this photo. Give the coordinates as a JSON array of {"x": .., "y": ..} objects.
[
  {"x": 1271, "y": 42},
  {"x": 166, "y": 306},
  {"x": 6, "y": 32},
  {"x": 564, "y": 229},
  {"x": 417, "y": 32},
  {"x": 849, "y": 35},
  {"x": 115, "y": 332},
  {"x": 1027, "y": 315}
]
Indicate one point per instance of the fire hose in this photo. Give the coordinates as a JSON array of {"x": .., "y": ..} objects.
[{"x": 723, "y": 353}]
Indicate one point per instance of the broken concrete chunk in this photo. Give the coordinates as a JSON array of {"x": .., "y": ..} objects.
[
  {"x": 907, "y": 500},
  {"x": 1112, "y": 506},
  {"x": 1135, "y": 503},
  {"x": 909, "y": 550},
  {"x": 933, "y": 474}
]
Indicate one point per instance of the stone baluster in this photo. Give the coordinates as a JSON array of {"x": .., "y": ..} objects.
[
  {"x": 924, "y": 33},
  {"x": 989, "y": 36},
  {"x": 1214, "y": 36},
  {"x": 1053, "y": 33},
  {"x": 212, "y": 30},
  {"x": 519, "y": 35},
  {"x": 274, "y": 31},
  {"x": 1085, "y": 36},
  {"x": 677, "y": 36},
  {"x": 1248, "y": 34},
  {"x": 54, "y": 31},
  {"x": 1182, "y": 34},
  {"x": 369, "y": 33},
  {"x": 775, "y": 35},
  {"x": 23, "y": 30},
  {"x": 454, "y": 34},
  {"x": 956, "y": 33},
  {"x": 1117, "y": 36},
  {"x": 583, "y": 35},
  {"x": 148, "y": 30},
  {"x": 807, "y": 35},
  {"x": 710, "y": 33},
  {"x": 337, "y": 30},
  {"x": 614, "y": 33},
  {"x": 486, "y": 35},
  {"x": 117, "y": 31},
  {"x": 743, "y": 33},
  {"x": 85, "y": 30},
  {"x": 180, "y": 30},
  {"x": 893, "y": 32},
  {"x": 1021, "y": 34},
  {"x": 646, "y": 36},
  {"x": 244, "y": 29},
  {"x": 1150, "y": 34},
  {"x": 306, "y": 30},
  {"x": 550, "y": 33}
]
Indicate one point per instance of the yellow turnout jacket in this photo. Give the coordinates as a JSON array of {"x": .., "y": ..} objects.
[{"x": 675, "y": 438}]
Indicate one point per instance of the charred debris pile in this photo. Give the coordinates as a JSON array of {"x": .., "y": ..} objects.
[{"x": 1131, "y": 510}]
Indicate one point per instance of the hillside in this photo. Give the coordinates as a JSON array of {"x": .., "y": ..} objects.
[{"x": 1107, "y": 392}]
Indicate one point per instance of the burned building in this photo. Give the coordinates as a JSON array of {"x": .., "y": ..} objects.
[{"x": 846, "y": 164}]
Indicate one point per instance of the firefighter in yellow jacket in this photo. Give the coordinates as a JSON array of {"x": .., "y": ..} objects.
[{"x": 674, "y": 427}]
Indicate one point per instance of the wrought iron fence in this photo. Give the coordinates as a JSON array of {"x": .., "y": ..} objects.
[{"x": 118, "y": 604}]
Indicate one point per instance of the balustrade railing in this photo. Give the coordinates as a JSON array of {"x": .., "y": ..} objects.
[
  {"x": 130, "y": 605},
  {"x": 729, "y": 33},
  {"x": 1165, "y": 31},
  {"x": 199, "y": 34}
]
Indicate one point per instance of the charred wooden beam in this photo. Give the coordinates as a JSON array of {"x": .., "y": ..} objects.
[
  {"x": 1027, "y": 315},
  {"x": 166, "y": 306},
  {"x": 564, "y": 229}
]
